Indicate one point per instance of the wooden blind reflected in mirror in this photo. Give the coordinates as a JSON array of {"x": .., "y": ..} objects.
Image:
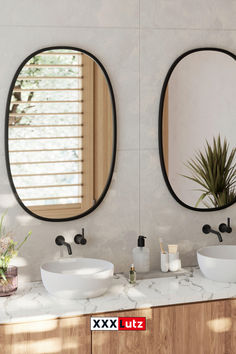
[{"x": 60, "y": 133}]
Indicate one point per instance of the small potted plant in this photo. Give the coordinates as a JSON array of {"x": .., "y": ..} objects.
[{"x": 8, "y": 249}]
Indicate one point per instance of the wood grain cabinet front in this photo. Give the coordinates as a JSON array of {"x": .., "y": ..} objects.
[
  {"x": 198, "y": 328},
  {"x": 59, "y": 336}
]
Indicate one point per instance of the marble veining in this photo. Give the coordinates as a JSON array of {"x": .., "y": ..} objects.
[{"x": 32, "y": 302}]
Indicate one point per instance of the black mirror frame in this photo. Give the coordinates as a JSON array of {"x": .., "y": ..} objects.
[
  {"x": 109, "y": 179},
  {"x": 160, "y": 125}
]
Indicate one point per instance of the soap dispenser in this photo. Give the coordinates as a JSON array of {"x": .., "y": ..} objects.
[{"x": 141, "y": 256}]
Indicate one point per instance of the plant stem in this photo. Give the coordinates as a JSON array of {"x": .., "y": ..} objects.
[{"x": 21, "y": 244}]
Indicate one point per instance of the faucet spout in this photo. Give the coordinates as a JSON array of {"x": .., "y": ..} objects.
[
  {"x": 60, "y": 240},
  {"x": 206, "y": 229},
  {"x": 218, "y": 235},
  {"x": 68, "y": 247}
]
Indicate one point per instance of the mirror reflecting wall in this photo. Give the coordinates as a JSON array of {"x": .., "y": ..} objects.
[
  {"x": 197, "y": 122},
  {"x": 60, "y": 133}
]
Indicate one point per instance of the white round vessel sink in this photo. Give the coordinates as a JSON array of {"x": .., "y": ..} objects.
[
  {"x": 77, "y": 278},
  {"x": 218, "y": 262}
]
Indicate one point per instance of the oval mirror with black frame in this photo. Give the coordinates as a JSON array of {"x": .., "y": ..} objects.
[
  {"x": 60, "y": 133},
  {"x": 197, "y": 129}
]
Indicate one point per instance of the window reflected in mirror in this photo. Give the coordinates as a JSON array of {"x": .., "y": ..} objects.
[{"x": 61, "y": 138}]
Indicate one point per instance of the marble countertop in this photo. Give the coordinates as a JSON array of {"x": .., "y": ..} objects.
[{"x": 33, "y": 303}]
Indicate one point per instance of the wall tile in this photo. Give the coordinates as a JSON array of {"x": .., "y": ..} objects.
[
  {"x": 111, "y": 230},
  {"x": 158, "y": 50},
  {"x": 201, "y": 14},
  {"x": 90, "y": 13},
  {"x": 117, "y": 49},
  {"x": 114, "y": 225},
  {"x": 162, "y": 216}
]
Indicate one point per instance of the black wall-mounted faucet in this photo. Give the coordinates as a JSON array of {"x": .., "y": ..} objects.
[
  {"x": 60, "y": 241},
  {"x": 80, "y": 239},
  {"x": 206, "y": 229},
  {"x": 226, "y": 228}
]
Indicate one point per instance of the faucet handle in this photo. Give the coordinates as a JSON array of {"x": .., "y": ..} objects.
[
  {"x": 60, "y": 240},
  {"x": 80, "y": 239},
  {"x": 206, "y": 229},
  {"x": 226, "y": 228}
]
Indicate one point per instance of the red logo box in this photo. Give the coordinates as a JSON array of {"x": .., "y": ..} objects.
[{"x": 131, "y": 323}]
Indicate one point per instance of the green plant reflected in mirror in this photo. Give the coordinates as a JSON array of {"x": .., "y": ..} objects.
[
  {"x": 197, "y": 129},
  {"x": 214, "y": 172}
]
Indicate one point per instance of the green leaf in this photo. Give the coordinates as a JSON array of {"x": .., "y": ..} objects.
[
  {"x": 1, "y": 223},
  {"x": 201, "y": 199},
  {"x": 2, "y": 274},
  {"x": 214, "y": 169},
  {"x": 25, "y": 239}
]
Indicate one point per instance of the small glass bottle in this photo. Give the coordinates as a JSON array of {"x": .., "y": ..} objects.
[{"x": 132, "y": 275}]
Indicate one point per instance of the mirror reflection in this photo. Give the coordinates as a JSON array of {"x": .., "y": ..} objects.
[
  {"x": 60, "y": 133},
  {"x": 198, "y": 130}
]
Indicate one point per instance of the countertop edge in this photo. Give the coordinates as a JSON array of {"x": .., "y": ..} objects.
[
  {"x": 32, "y": 303},
  {"x": 73, "y": 315}
]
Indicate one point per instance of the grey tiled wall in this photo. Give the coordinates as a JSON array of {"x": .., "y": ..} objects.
[{"x": 136, "y": 41}]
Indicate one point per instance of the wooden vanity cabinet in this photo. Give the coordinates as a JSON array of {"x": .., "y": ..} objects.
[
  {"x": 59, "y": 336},
  {"x": 198, "y": 328}
]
